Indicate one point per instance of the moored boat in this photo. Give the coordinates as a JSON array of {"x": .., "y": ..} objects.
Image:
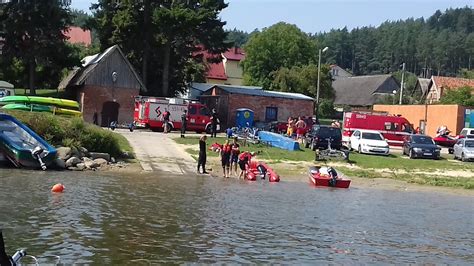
[
  {"x": 22, "y": 146},
  {"x": 320, "y": 176}
]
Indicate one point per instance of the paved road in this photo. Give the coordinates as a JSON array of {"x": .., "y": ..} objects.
[{"x": 158, "y": 152}]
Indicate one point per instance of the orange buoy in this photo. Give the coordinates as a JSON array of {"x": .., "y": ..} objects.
[{"x": 58, "y": 188}]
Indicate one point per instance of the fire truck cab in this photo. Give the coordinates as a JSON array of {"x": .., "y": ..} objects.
[
  {"x": 149, "y": 114},
  {"x": 393, "y": 128}
]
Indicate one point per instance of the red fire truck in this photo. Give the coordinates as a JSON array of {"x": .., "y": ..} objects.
[
  {"x": 149, "y": 114},
  {"x": 393, "y": 128}
]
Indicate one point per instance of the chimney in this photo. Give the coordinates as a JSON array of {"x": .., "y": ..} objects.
[{"x": 236, "y": 49}]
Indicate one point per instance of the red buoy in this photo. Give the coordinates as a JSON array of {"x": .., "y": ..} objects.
[{"x": 58, "y": 188}]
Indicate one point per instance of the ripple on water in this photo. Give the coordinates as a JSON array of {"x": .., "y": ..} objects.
[{"x": 144, "y": 219}]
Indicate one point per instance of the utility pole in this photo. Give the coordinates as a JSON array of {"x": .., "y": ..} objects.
[{"x": 403, "y": 81}]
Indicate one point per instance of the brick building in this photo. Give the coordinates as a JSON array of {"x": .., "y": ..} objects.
[
  {"x": 105, "y": 87},
  {"x": 267, "y": 105}
]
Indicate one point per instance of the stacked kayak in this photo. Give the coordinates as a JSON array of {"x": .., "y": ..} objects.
[
  {"x": 41, "y": 104},
  {"x": 327, "y": 177},
  {"x": 255, "y": 169},
  {"x": 22, "y": 146}
]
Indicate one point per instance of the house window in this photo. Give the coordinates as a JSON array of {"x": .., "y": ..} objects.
[{"x": 271, "y": 114}]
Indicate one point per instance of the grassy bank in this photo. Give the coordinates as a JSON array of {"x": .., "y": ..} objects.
[
  {"x": 73, "y": 132},
  {"x": 419, "y": 171}
]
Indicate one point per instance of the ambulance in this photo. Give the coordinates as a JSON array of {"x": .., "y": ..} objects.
[{"x": 394, "y": 128}]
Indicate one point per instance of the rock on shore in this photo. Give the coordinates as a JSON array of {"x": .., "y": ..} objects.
[{"x": 81, "y": 159}]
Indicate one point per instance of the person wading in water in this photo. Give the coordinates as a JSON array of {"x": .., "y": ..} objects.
[{"x": 202, "y": 154}]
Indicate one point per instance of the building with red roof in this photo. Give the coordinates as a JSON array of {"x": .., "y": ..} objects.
[
  {"x": 76, "y": 35},
  {"x": 228, "y": 71},
  {"x": 439, "y": 85}
]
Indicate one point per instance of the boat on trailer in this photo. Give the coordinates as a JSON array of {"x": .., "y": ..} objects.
[
  {"x": 22, "y": 146},
  {"x": 325, "y": 177}
]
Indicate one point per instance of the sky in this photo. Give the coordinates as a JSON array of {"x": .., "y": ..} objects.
[{"x": 313, "y": 16}]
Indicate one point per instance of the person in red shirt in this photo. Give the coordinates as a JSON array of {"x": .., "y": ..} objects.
[
  {"x": 244, "y": 160},
  {"x": 225, "y": 158},
  {"x": 234, "y": 155}
]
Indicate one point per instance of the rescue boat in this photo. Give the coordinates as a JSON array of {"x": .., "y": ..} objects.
[
  {"x": 255, "y": 169},
  {"x": 320, "y": 176}
]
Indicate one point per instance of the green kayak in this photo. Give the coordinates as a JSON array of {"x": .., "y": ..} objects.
[
  {"x": 41, "y": 108},
  {"x": 40, "y": 100},
  {"x": 24, "y": 107}
]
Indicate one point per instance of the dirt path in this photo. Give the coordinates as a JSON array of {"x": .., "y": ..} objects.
[{"x": 158, "y": 152}]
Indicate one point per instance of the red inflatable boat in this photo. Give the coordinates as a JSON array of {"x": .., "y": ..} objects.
[
  {"x": 255, "y": 169},
  {"x": 319, "y": 176}
]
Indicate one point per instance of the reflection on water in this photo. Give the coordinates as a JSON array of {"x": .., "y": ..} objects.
[{"x": 111, "y": 219}]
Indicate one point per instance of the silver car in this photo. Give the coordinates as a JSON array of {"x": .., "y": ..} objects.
[{"x": 464, "y": 149}]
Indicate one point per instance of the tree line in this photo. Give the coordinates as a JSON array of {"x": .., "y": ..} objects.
[{"x": 164, "y": 39}]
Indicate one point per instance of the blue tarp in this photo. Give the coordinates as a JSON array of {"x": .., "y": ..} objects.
[{"x": 279, "y": 141}]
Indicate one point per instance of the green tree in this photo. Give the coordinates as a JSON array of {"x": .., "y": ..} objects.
[
  {"x": 326, "y": 109},
  {"x": 303, "y": 79},
  {"x": 34, "y": 44},
  {"x": 462, "y": 96},
  {"x": 161, "y": 38},
  {"x": 237, "y": 37},
  {"x": 281, "y": 45}
]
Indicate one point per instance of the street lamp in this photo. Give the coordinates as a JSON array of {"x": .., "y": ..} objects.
[
  {"x": 394, "y": 93},
  {"x": 319, "y": 76}
]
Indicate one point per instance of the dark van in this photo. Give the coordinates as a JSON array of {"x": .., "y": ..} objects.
[{"x": 319, "y": 137}]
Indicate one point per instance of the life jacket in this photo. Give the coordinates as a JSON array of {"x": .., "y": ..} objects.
[
  {"x": 245, "y": 156},
  {"x": 226, "y": 149}
]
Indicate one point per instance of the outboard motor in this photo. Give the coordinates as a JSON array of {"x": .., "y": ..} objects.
[
  {"x": 38, "y": 153},
  {"x": 5, "y": 260},
  {"x": 332, "y": 172},
  {"x": 262, "y": 170}
]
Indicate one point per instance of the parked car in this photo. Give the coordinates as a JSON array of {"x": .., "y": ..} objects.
[
  {"x": 466, "y": 133},
  {"x": 421, "y": 146},
  {"x": 464, "y": 149},
  {"x": 368, "y": 141},
  {"x": 319, "y": 136}
]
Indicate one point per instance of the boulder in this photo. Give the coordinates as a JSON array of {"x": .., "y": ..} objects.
[
  {"x": 84, "y": 152},
  {"x": 72, "y": 162},
  {"x": 91, "y": 164},
  {"x": 60, "y": 163},
  {"x": 64, "y": 153},
  {"x": 101, "y": 162},
  {"x": 97, "y": 155},
  {"x": 86, "y": 159},
  {"x": 81, "y": 166},
  {"x": 112, "y": 160}
]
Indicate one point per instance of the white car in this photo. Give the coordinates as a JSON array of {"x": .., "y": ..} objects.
[{"x": 369, "y": 141}]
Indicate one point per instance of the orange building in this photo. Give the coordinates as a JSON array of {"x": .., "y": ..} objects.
[{"x": 429, "y": 117}]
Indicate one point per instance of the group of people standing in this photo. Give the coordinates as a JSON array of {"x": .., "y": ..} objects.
[
  {"x": 230, "y": 156},
  {"x": 184, "y": 122},
  {"x": 296, "y": 126}
]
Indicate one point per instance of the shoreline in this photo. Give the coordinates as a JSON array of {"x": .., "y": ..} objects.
[{"x": 295, "y": 171}]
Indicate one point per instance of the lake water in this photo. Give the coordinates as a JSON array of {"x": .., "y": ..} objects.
[{"x": 107, "y": 219}]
